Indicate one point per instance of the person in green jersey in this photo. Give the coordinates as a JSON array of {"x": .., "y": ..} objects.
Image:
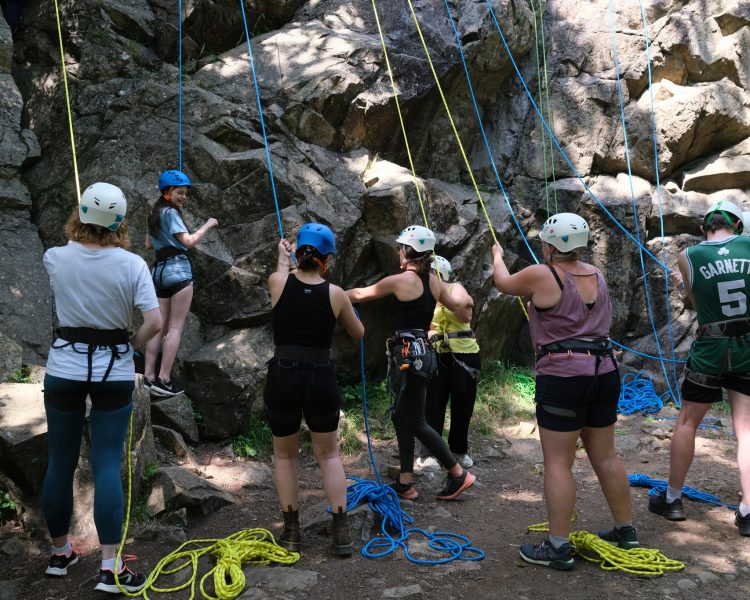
[{"x": 715, "y": 276}]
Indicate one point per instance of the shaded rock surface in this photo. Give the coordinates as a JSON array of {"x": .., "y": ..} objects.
[{"x": 174, "y": 487}]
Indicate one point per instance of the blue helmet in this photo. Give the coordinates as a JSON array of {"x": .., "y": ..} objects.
[
  {"x": 318, "y": 236},
  {"x": 173, "y": 178}
]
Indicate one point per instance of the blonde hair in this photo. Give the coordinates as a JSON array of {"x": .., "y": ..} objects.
[{"x": 87, "y": 233}]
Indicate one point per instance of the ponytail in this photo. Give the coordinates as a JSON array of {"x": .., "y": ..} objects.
[
  {"x": 422, "y": 260},
  {"x": 154, "y": 217},
  {"x": 309, "y": 259}
]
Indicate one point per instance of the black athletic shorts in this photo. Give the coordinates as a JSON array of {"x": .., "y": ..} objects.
[
  {"x": 571, "y": 403},
  {"x": 295, "y": 388},
  {"x": 709, "y": 389}
]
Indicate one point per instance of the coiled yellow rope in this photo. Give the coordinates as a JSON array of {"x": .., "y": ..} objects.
[{"x": 646, "y": 562}]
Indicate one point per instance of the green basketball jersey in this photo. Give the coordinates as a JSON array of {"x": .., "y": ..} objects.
[{"x": 720, "y": 282}]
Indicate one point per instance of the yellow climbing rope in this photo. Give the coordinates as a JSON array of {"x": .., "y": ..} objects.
[
  {"x": 67, "y": 103},
  {"x": 647, "y": 562},
  {"x": 247, "y": 546},
  {"x": 450, "y": 119}
]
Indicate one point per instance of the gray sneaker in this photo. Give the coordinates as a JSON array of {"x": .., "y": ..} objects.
[
  {"x": 544, "y": 553},
  {"x": 669, "y": 510},
  {"x": 625, "y": 537}
]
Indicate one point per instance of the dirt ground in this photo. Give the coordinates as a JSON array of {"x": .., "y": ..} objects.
[{"x": 494, "y": 514}]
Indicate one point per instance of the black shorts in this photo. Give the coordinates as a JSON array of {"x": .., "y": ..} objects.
[
  {"x": 294, "y": 388},
  {"x": 170, "y": 291},
  {"x": 707, "y": 389},
  {"x": 571, "y": 403}
]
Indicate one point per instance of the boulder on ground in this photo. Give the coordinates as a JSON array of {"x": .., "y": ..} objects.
[
  {"x": 174, "y": 487},
  {"x": 177, "y": 414}
]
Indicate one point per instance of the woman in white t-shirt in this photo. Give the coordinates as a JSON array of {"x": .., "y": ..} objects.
[{"x": 97, "y": 284}]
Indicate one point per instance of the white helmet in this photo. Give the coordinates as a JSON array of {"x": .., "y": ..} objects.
[
  {"x": 726, "y": 208},
  {"x": 103, "y": 204},
  {"x": 442, "y": 266},
  {"x": 418, "y": 237},
  {"x": 565, "y": 231}
]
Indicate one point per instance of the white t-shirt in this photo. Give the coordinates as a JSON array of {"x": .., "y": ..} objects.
[{"x": 98, "y": 289}]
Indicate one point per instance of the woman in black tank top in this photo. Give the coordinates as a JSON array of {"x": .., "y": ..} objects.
[
  {"x": 302, "y": 379},
  {"x": 412, "y": 361}
]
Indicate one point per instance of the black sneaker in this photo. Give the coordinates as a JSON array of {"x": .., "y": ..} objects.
[
  {"x": 59, "y": 563},
  {"x": 545, "y": 554},
  {"x": 625, "y": 537},
  {"x": 165, "y": 389},
  {"x": 743, "y": 523},
  {"x": 669, "y": 510},
  {"x": 454, "y": 487},
  {"x": 405, "y": 490},
  {"x": 129, "y": 581}
]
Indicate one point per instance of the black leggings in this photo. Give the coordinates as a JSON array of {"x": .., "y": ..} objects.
[
  {"x": 410, "y": 423},
  {"x": 453, "y": 382}
]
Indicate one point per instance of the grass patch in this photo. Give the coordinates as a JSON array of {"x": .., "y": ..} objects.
[
  {"x": 352, "y": 426},
  {"x": 505, "y": 391},
  {"x": 138, "y": 512},
  {"x": 257, "y": 441}
]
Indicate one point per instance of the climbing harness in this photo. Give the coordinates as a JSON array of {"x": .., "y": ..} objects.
[
  {"x": 658, "y": 486},
  {"x": 94, "y": 339},
  {"x": 589, "y": 346}
]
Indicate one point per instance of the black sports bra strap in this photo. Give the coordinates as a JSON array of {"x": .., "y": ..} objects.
[{"x": 557, "y": 277}]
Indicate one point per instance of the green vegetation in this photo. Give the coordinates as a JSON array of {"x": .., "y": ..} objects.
[
  {"x": 256, "y": 441},
  {"x": 150, "y": 472},
  {"x": 505, "y": 391},
  {"x": 138, "y": 512},
  {"x": 8, "y": 507},
  {"x": 352, "y": 427},
  {"x": 21, "y": 375}
]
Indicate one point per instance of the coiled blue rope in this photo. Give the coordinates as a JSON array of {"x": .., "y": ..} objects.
[
  {"x": 637, "y": 395},
  {"x": 659, "y": 485},
  {"x": 384, "y": 501}
]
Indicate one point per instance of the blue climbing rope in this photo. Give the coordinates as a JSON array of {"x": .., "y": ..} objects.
[
  {"x": 262, "y": 120},
  {"x": 179, "y": 93},
  {"x": 634, "y": 203},
  {"x": 646, "y": 35},
  {"x": 493, "y": 163},
  {"x": 559, "y": 148},
  {"x": 659, "y": 485},
  {"x": 383, "y": 501},
  {"x": 637, "y": 395}
]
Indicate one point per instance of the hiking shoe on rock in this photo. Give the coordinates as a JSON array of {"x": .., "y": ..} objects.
[
  {"x": 545, "y": 554},
  {"x": 59, "y": 563},
  {"x": 625, "y": 537},
  {"x": 129, "y": 581},
  {"x": 669, "y": 510},
  {"x": 454, "y": 487},
  {"x": 743, "y": 523},
  {"x": 405, "y": 490},
  {"x": 465, "y": 460},
  {"x": 165, "y": 389}
]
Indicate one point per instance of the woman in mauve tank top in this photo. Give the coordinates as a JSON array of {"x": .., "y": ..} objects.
[
  {"x": 411, "y": 359},
  {"x": 577, "y": 382}
]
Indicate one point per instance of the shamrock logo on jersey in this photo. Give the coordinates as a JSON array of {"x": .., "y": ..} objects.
[{"x": 723, "y": 251}]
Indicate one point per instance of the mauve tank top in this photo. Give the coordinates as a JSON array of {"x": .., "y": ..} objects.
[{"x": 571, "y": 318}]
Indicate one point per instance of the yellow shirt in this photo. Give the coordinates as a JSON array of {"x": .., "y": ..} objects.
[{"x": 443, "y": 322}]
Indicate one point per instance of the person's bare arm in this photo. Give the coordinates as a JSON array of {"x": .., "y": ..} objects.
[
  {"x": 456, "y": 299},
  {"x": 523, "y": 283},
  {"x": 277, "y": 280},
  {"x": 381, "y": 289},
  {"x": 344, "y": 311},
  {"x": 152, "y": 324},
  {"x": 148, "y": 243},
  {"x": 682, "y": 262},
  {"x": 191, "y": 239}
]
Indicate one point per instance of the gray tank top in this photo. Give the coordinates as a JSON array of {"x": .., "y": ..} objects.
[{"x": 571, "y": 318}]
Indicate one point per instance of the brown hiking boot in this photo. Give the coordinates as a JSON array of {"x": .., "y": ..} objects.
[
  {"x": 341, "y": 536},
  {"x": 290, "y": 537}
]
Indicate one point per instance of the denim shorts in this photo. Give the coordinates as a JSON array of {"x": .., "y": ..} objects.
[{"x": 172, "y": 275}]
